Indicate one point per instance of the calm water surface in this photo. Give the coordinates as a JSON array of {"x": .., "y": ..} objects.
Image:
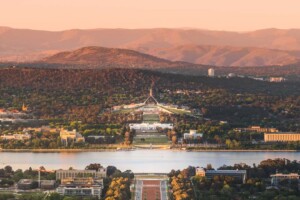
[{"x": 139, "y": 160}]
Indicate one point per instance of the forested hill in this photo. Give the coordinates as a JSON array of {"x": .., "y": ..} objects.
[
  {"x": 101, "y": 57},
  {"x": 132, "y": 80},
  {"x": 77, "y": 94}
]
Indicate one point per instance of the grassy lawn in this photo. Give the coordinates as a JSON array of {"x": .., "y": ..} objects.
[
  {"x": 150, "y": 118},
  {"x": 176, "y": 111},
  {"x": 152, "y": 140}
]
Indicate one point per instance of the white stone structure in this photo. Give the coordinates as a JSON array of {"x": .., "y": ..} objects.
[
  {"x": 192, "y": 135},
  {"x": 148, "y": 126}
]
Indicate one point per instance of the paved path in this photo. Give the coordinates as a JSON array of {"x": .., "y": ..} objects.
[
  {"x": 138, "y": 190},
  {"x": 151, "y": 189},
  {"x": 164, "y": 190}
]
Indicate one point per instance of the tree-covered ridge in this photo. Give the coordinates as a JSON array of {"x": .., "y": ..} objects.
[{"x": 87, "y": 95}]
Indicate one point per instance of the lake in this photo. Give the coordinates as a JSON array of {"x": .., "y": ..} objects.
[{"x": 138, "y": 160}]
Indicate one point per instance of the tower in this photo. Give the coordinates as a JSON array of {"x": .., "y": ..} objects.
[
  {"x": 151, "y": 93},
  {"x": 211, "y": 72}
]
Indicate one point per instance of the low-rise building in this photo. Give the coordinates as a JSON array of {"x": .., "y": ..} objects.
[
  {"x": 63, "y": 174},
  {"x": 282, "y": 137},
  {"x": 257, "y": 129},
  {"x": 277, "y": 79},
  {"x": 192, "y": 135},
  {"x": 27, "y": 184},
  {"x": 67, "y": 136},
  {"x": 210, "y": 174},
  {"x": 16, "y": 137},
  {"x": 278, "y": 177},
  {"x": 150, "y": 126},
  {"x": 81, "y": 187}
]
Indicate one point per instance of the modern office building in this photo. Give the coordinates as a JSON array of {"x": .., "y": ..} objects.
[{"x": 282, "y": 137}]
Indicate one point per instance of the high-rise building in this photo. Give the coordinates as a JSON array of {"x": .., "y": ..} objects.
[{"x": 211, "y": 72}]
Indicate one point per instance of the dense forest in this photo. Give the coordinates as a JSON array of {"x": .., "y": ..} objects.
[{"x": 88, "y": 95}]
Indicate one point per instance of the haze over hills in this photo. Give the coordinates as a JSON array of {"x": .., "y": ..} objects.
[
  {"x": 256, "y": 48},
  {"x": 226, "y": 55}
]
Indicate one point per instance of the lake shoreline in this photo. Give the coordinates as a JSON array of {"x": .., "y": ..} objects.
[{"x": 136, "y": 149}]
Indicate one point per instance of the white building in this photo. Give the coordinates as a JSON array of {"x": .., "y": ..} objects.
[
  {"x": 211, "y": 72},
  {"x": 192, "y": 135},
  {"x": 148, "y": 126}
]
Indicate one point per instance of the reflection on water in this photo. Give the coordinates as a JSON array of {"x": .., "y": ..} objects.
[{"x": 139, "y": 160}]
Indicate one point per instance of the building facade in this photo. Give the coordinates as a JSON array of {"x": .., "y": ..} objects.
[
  {"x": 150, "y": 126},
  {"x": 63, "y": 174},
  {"x": 67, "y": 136},
  {"x": 277, "y": 178},
  {"x": 282, "y": 137},
  {"x": 81, "y": 187},
  {"x": 277, "y": 79},
  {"x": 236, "y": 174},
  {"x": 16, "y": 137},
  {"x": 257, "y": 129}
]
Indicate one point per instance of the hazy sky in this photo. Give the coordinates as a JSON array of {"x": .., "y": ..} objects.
[{"x": 236, "y": 15}]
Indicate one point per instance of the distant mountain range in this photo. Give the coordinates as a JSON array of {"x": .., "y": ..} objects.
[
  {"x": 227, "y": 55},
  {"x": 220, "y": 48}
]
